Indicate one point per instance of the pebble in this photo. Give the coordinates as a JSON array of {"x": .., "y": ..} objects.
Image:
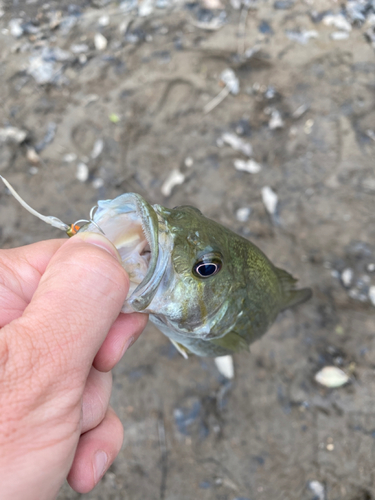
[
  {"x": 32, "y": 156},
  {"x": 103, "y": 20},
  {"x": 229, "y": 78},
  {"x": 347, "y": 277},
  {"x": 174, "y": 179},
  {"x": 97, "y": 149},
  {"x": 250, "y": 166},
  {"x": 331, "y": 376},
  {"x": 69, "y": 157},
  {"x": 12, "y": 134},
  {"x": 318, "y": 489},
  {"x": 371, "y": 267},
  {"x": 79, "y": 48},
  {"x": 276, "y": 120},
  {"x": 189, "y": 162},
  {"x": 98, "y": 183},
  {"x": 337, "y": 21},
  {"x": 301, "y": 110},
  {"x": 243, "y": 214},
  {"x": 100, "y": 41},
  {"x": 82, "y": 173},
  {"x": 339, "y": 35},
  {"x": 33, "y": 170},
  {"x": 270, "y": 199},
  {"x": 145, "y": 8},
  {"x": 237, "y": 143},
  {"x": 225, "y": 366},
  {"x": 301, "y": 37},
  {"x": 371, "y": 295},
  {"x": 15, "y": 27}
]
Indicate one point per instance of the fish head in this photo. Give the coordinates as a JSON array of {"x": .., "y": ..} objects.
[
  {"x": 194, "y": 296},
  {"x": 179, "y": 264}
]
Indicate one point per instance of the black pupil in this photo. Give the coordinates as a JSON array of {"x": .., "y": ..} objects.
[{"x": 206, "y": 270}]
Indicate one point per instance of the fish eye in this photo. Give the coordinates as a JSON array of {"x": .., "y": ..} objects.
[{"x": 208, "y": 265}]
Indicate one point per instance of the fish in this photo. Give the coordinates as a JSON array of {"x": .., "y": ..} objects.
[{"x": 209, "y": 290}]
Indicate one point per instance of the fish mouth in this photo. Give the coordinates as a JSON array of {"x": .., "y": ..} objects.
[{"x": 132, "y": 225}]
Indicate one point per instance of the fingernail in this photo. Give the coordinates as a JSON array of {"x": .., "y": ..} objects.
[
  {"x": 100, "y": 465},
  {"x": 99, "y": 241},
  {"x": 127, "y": 344}
]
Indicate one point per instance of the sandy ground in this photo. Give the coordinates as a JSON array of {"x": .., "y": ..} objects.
[{"x": 272, "y": 432}]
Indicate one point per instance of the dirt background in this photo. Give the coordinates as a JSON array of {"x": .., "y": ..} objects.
[{"x": 272, "y": 432}]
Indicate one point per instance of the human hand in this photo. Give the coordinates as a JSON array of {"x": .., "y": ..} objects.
[{"x": 61, "y": 335}]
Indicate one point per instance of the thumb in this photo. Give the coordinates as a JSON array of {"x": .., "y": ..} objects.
[{"x": 78, "y": 298}]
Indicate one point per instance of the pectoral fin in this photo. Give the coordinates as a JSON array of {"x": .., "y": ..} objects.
[
  {"x": 291, "y": 296},
  {"x": 181, "y": 349},
  {"x": 232, "y": 341}
]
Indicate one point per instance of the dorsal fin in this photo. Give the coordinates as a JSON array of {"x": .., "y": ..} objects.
[{"x": 291, "y": 296}]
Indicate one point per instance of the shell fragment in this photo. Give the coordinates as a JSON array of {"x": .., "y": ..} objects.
[{"x": 331, "y": 376}]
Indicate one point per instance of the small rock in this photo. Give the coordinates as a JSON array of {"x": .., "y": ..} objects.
[
  {"x": 145, "y": 8},
  {"x": 371, "y": 267},
  {"x": 301, "y": 37},
  {"x": 270, "y": 199},
  {"x": 97, "y": 183},
  {"x": 229, "y": 78},
  {"x": 237, "y": 143},
  {"x": 189, "y": 162},
  {"x": 82, "y": 173},
  {"x": 69, "y": 157},
  {"x": 174, "y": 179},
  {"x": 371, "y": 295},
  {"x": 331, "y": 376},
  {"x": 79, "y": 48},
  {"x": 225, "y": 366},
  {"x": 339, "y": 35},
  {"x": 276, "y": 120},
  {"x": 100, "y": 41},
  {"x": 318, "y": 490},
  {"x": 338, "y": 21},
  {"x": 12, "y": 134},
  {"x": 250, "y": 166},
  {"x": 33, "y": 170},
  {"x": 243, "y": 214},
  {"x": 97, "y": 149},
  {"x": 301, "y": 110},
  {"x": 15, "y": 27},
  {"x": 103, "y": 20},
  {"x": 347, "y": 277},
  {"x": 32, "y": 156}
]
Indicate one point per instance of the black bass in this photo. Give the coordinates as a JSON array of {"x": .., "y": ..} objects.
[{"x": 209, "y": 290}]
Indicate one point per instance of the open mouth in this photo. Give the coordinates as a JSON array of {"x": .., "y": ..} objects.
[{"x": 131, "y": 224}]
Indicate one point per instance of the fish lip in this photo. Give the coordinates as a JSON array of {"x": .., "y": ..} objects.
[{"x": 132, "y": 202}]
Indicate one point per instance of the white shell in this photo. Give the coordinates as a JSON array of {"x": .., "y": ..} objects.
[
  {"x": 250, "y": 166},
  {"x": 347, "y": 276},
  {"x": 82, "y": 173},
  {"x": 331, "y": 376},
  {"x": 225, "y": 366},
  {"x": 237, "y": 143},
  {"x": 270, "y": 199},
  {"x": 100, "y": 41},
  {"x": 243, "y": 214},
  {"x": 318, "y": 489},
  {"x": 174, "y": 178}
]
